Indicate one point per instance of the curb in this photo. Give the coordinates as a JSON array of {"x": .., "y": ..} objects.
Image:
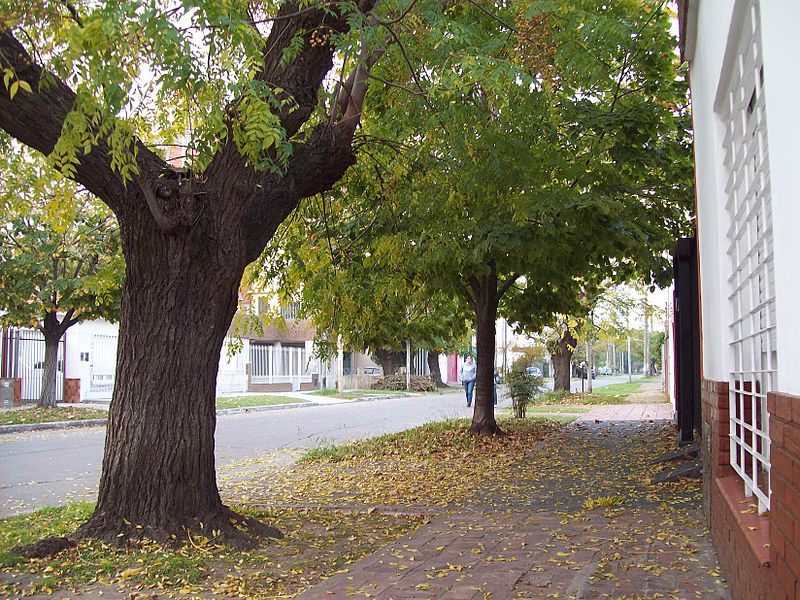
[{"x": 225, "y": 411}]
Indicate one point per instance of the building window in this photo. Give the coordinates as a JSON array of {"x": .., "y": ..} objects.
[
  {"x": 752, "y": 330},
  {"x": 268, "y": 365},
  {"x": 290, "y": 311}
]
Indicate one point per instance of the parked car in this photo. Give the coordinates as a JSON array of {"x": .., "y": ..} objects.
[
  {"x": 534, "y": 372},
  {"x": 606, "y": 371}
]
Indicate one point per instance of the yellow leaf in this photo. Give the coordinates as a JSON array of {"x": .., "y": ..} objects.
[{"x": 423, "y": 586}]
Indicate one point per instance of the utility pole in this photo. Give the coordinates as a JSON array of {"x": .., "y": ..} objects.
[
  {"x": 339, "y": 365},
  {"x": 629, "y": 359},
  {"x": 588, "y": 366},
  {"x": 408, "y": 365},
  {"x": 646, "y": 351}
]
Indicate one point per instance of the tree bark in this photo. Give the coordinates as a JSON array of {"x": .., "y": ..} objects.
[
  {"x": 52, "y": 330},
  {"x": 561, "y": 357},
  {"x": 47, "y": 395},
  {"x": 433, "y": 366},
  {"x": 178, "y": 300},
  {"x": 390, "y": 360},
  {"x": 486, "y": 301}
]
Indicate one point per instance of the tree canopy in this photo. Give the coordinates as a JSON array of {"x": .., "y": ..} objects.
[{"x": 530, "y": 155}]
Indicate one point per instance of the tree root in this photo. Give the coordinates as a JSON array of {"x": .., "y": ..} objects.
[
  {"x": 486, "y": 429},
  {"x": 225, "y": 526},
  {"x": 45, "y": 547}
]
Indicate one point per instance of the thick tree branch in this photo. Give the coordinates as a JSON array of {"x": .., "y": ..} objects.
[
  {"x": 468, "y": 294},
  {"x": 506, "y": 285},
  {"x": 302, "y": 77},
  {"x": 36, "y": 120}
]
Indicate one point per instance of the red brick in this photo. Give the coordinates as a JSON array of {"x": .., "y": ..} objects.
[
  {"x": 776, "y": 431},
  {"x": 793, "y": 562},
  {"x": 772, "y": 407},
  {"x": 786, "y": 579},
  {"x": 777, "y": 541},
  {"x": 783, "y": 520},
  {"x": 791, "y": 500},
  {"x": 781, "y": 463},
  {"x": 783, "y": 407},
  {"x": 791, "y": 438},
  {"x": 778, "y": 485}
]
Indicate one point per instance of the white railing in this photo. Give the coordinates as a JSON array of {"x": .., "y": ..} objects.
[
  {"x": 269, "y": 366},
  {"x": 750, "y": 250}
]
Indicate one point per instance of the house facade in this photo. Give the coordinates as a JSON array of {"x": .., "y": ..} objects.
[{"x": 744, "y": 59}]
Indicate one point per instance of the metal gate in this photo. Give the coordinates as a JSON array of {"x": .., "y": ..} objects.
[
  {"x": 22, "y": 356},
  {"x": 103, "y": 366}
]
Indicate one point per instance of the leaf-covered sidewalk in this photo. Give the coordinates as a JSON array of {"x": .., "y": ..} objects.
[{"x": 576, "y": 518}]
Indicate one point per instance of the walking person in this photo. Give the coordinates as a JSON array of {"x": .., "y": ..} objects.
[{"x": 467, "y": 375}]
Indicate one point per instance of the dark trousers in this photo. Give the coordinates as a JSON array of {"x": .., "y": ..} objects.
[{"x": 469, "y": 387}]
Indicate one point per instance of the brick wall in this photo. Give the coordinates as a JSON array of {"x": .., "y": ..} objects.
[
  {"x": 759, "y": 554},
  {"x": 72, "y": 390},
  {"x": 784, "y": 426}
]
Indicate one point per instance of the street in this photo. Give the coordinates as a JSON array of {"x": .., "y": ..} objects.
[{"x": 47, "y": 468}]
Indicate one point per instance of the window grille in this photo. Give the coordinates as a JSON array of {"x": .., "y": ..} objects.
[{"x": 750, "y": 250}]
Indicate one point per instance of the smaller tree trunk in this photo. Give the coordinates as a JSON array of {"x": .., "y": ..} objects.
[
  {"x": 390, "y": 360},
  {"x": 433, "y": 365},
  {"x": 483, "y": 421},
  {"x": 52, "y": 331},
  {"x": 561, "y": 355}
]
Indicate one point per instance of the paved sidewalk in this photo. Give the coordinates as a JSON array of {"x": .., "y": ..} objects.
[{"x": 533, "y": 533}]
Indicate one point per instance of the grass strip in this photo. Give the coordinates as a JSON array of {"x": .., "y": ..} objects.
[
  {"x": 255, "y": 400},
  {"x": 26, "y": 416}
]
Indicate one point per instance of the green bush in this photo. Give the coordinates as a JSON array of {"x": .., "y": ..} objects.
[{"x": 523, "y": 387}]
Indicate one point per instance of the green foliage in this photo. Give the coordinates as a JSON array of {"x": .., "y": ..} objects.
[
  {"x": 332, "y": 259},
  {"x": 59, "y": 247},
  {"x": 523, "y": 387}
]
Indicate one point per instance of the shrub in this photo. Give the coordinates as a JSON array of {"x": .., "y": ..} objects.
[{"x": 523, "y": 387}]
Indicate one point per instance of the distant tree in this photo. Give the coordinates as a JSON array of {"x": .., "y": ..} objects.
[
  {"x": 328, "y": 257},
  {"x": 60, "y": 258}
]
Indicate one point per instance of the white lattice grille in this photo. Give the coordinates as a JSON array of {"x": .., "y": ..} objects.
[{"x": 750, "y": 248}]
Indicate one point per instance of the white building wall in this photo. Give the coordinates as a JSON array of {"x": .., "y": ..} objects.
[
  {"x": 714, "y": 19},
  {"x": 781, "y": 47},
  {"x": 82, "y": 353},
  {"x": 232, "y": 374}
]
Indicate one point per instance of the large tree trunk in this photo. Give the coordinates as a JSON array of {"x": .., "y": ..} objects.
[
  {"x": 187, "y": 238},
  {"x": 433, "y": 366},
  {"x": 159, "y": 477},
  {"x": 561, "y": 356}
]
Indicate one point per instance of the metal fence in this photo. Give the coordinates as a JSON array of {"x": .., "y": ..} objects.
[
  {"x": 22, "y": 356},
  {"x": 752, "y": 280}
]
